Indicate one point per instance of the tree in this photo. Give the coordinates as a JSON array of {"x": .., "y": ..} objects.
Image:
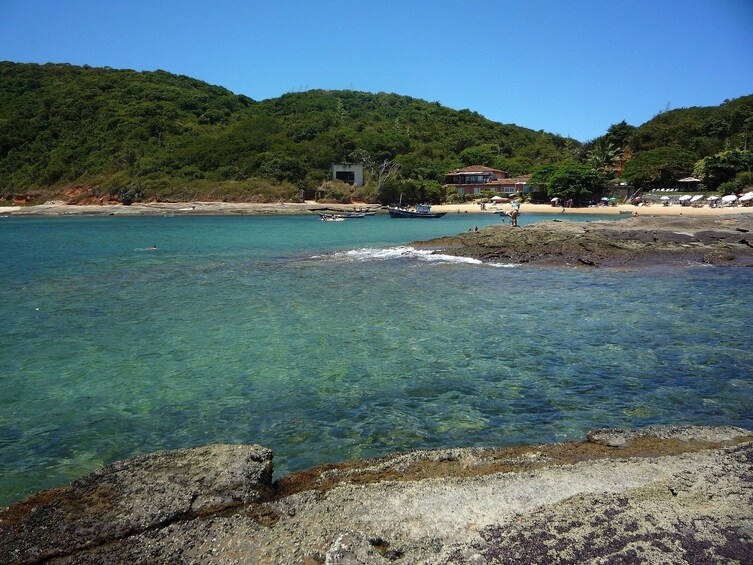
[
  {"x": 604, "y": 155},
  {"x": 479, "y": 155},
  {"x": 282, "y": 168},
  {"x": 421, "y": 191},
  {"x": 576, "y": 181},
  {"x": 386, "y": 171},
  {"x": 540, "y": 175},
  {"x": 569, "y": 179},
  {"x": 658, "y": 167},
  {"x": 722, "y": 167},
  {"x": 620, "y": 135}
]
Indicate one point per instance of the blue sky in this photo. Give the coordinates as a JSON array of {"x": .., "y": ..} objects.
[{"x": 566, "y": 67}]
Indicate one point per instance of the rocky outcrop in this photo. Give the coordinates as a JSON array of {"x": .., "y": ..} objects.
[
  {"x": 664, "y": 495},
  {"x": 632, "y": 242},
  {"x": 135, "y": 496}
]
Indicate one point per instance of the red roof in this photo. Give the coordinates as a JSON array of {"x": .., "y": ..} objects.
[
  {"x": 476, "y": 169},
  {"x": 523, "y": 180}
]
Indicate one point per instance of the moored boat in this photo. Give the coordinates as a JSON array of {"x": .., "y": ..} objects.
[
  {"x": 420, "y": 211},
  {"x": 331, "y": 218}
]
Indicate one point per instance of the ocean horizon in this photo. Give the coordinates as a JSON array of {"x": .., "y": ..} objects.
[{"x": 335, "y": 341}]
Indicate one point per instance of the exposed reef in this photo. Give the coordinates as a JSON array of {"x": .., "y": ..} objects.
[
  {"x": 664, "y": 494},
  {"x": 637, "y": 241}
]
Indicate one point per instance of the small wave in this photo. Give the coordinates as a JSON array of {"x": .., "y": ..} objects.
[{"x": 402, "y": 252}]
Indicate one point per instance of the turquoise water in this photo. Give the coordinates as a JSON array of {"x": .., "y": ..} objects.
[{"x": 332, "y": 341}]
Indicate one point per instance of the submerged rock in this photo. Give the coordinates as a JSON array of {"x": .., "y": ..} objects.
[{"x": 660, "y": 494}]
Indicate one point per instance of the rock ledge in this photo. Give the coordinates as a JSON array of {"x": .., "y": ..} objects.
[{"x": 678, "y": 494}]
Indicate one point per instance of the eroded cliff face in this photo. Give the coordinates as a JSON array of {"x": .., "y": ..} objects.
[
  {"x": 669, "y": 494},
  {"x": 633, "y": 242}
]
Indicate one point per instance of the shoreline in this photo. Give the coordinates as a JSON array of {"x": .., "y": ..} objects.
[
  {"x": 619, "y": 495},
  {"x": 626, "y": 210},
  {"x": 199, "y": 208}
]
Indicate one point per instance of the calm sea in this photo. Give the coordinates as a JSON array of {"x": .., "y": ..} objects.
[{"x": 331, "y": 341}]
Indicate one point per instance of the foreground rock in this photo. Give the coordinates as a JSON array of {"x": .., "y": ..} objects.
[
  {"x": 633, "y": 242},
  {"x": 133, "y": 496},
  {"x": 662, "y": 495}
]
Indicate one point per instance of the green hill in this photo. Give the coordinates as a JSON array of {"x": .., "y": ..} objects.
[
  {"x": 83, "y": 133},
  {"x": 703, "y": 131},
  {"x": 91, "y": 132},
  {"x": 712, "y": 143}
]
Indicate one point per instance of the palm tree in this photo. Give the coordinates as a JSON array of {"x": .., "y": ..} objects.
[{"x": 604, "y": 156}]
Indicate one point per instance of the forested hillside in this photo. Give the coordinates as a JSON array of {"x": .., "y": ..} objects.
[
  {"x": 86, "y": 134},
  {"x": 93, "y": 132},
  {"x": 703, "y": 131},
  {"x": 711, "y": 143}
]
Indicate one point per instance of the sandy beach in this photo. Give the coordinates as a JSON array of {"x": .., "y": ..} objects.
[
  {"x": 59, "y": 208},
  {"x": 625, "y": 209}
]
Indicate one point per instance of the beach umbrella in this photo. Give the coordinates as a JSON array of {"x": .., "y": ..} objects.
[
  {"x": 685, "y": 197},
  {"x": 696, "y": 198},
  {"x": 746, "y": 197},
  {"x": 554, "y": 199},
  {"x": 713, "y": 197},
  {"x": 729, "y": 198},
  {"x": 605, "y": 199},
  {"x": 497, "y": 198},
  {"x": 664, "y": 198}
]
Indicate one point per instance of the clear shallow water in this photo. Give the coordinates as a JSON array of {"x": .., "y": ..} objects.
[{"x": 331, "y": 341}]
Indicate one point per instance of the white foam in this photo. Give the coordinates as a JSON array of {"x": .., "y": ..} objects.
[{"x": 390, "y": 253}]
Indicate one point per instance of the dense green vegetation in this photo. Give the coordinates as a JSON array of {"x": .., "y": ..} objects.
[
  {"x": 88, "y": 133},
  {"x": 154, "y": 134},
  {"x": 713, "y": 144}
]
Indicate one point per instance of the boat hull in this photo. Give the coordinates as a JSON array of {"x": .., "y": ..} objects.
[{"x": 400, "y": 213}]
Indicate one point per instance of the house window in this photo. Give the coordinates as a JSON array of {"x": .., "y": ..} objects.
[{"x": 346, "y": 176}]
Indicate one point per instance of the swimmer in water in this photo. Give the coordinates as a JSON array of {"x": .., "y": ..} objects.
[{"x": 152, "y": 248}]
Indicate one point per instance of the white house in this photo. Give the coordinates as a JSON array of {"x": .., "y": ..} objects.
[{"x": 348, "y": 172}]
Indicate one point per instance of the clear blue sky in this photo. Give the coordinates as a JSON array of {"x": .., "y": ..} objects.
[{"x": 566, "y": 67}]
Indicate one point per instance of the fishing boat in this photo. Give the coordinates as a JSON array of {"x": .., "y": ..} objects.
[{"x": 420, "y": 211}]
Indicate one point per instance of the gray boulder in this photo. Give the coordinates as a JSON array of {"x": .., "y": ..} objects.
[{"x": 133, "y": 496}]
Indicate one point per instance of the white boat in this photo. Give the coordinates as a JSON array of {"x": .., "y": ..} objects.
[{"x": 331, "y": 218}]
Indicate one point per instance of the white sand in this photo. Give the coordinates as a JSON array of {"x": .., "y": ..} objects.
[{"x": 231, "y": 208}]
